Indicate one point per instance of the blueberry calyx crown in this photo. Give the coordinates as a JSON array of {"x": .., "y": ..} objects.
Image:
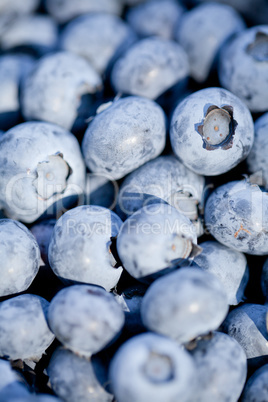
[
  {"x": 52, "y": 176},
  {"x": 217, "y": 128},
  {"x": 158, "y": 368}
]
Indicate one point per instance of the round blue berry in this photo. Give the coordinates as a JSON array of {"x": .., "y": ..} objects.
[
  {"x": 184, "y": 304},
  {"x": 128, "y": 133},
  {"x": 211, "y": 131},
  {"x": 154, "y": 238},
  {"x": 73, "y": 378},
  {"x": 42, "y": 171},
  {"x": 152, "y": 367},
  {"x": 150, "y": 67},
  {"x": 24, "y": 333},
  {"x": 80, "y": 248},
  {"x": 85, "y": 318}
]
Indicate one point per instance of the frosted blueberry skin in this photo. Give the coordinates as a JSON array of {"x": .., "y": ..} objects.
[
  {"x": 85, "y": 318},
  {"x": 36, "y": 31},
  {"x": 152, "y": 367},
  {"x": 221, "y": 368},
  {"x": 247, "y": 325},
  {"x": 20, "y": 257},
  {"x": 65, "y": 10},
  {"x": 73, "y": 379},
  {"x": 257, "y": 159},
  {"x": 42, "y": 232},
  {"x": 184, "y": 304},
  {"x": 236, "y": 214},
  {"x": 41, "y": 171},
  {"x": 128, "y": 133},
  {"x": 230, "y": 266},
  {"x": 163, "y": 179},
  {"x": 155, "y": 238},
  {"x": 18, "y": 6},
  {"x": 150, "y": 67},
  {"x": 98, "y": 37},
  {"x": 202, "y": 32},
  {"x": 211, "y": 131},
  {"x": 256, "y": 387},
  {"x": 57, "y": 84},
  {"x": 155, "y": 17},
  {"x": 24, "y": 333},
  {"x": 13, "y": 67},
  {"x": 242, "y": 67},
  {"x": 80, "y": 248}
]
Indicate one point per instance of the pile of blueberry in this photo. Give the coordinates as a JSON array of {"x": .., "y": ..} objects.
[{"x": 133, "y": 200}]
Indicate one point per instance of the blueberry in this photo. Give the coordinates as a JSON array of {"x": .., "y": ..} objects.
[
  {"x": 154, "y": 238},
  {"x": 80, "y": 248},
  {"x": 230, "y": 266},
  {"x": 242, "y": 67},
  {"x": 128, "y": 133},
  {"x": 42, "y": 232},
  {"x": 20, "y": 257},
  {"x": 13, "y": 67},
  {"x": 56, "y": 84},
  {"x": 247, "y": 325},
  {"x": 98, "y": 37},
  {"x": 24, "y": 333},
  {"x": 202, "y": 31},
  {"x": 256, "y": 387},
  {"x": 211, "y": 131},
  {"x": 155, "y": 17},
  {"x": 37, "y": 31},
  {"x": 221, "y": 367},
  {"x": 258, "y": 158},
  {"x": 41, "y": 169},
  {"x": 73, "y": 379},
  {"x": 236, "y": 215},
  {"x": 150, "y": 67},
  {"x": 65, "y": 10},
  {"x": 163, "y": 179},
  {"x": 152, "y": 367},
  {"x": 85, "y": 318},
  {"x": 184, "y": 304}
]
